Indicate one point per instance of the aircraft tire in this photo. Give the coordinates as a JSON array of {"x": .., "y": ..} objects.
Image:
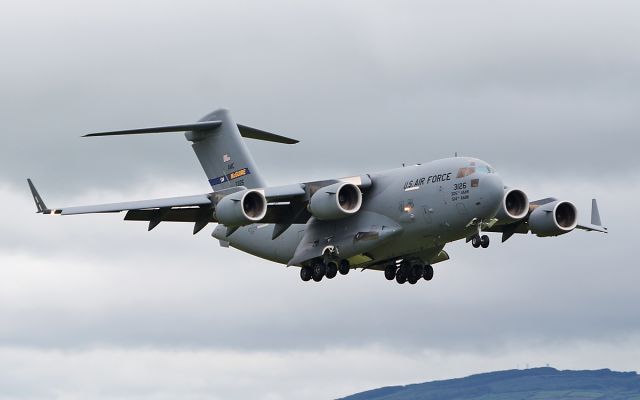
[
  {"x": 344, "y": 267},
  {"x": 417, "y": 271},
  {"x": 332, "y": 270},
  {"x": 319, "y": 269},
  {"x": 476, "y": 241},
  {"x": 412, "y": 280},
  {"x": 306, "y": 273},
  {"x": 317, "y": 278},
  {"x": 405, "y": 267},
  {"x": 390, "y": 272},
  {"x": 484, "y": 241},
  {"x": 401, "y": 277},
  {"x": 428, "y": 272}
]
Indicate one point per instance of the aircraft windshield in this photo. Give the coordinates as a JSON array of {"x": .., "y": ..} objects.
[
  {"x": 466, "y": 171},
  {"x": 481, "y": 169},
  {"x": 485, "y": 169}
]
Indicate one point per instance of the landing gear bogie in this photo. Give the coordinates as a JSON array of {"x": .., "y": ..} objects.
[
  {"x": 318, "y": 270},
  {"x": 409, "y": 271}
]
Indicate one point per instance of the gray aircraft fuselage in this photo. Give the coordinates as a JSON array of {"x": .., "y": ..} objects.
[{"x": 430, "y": 203}]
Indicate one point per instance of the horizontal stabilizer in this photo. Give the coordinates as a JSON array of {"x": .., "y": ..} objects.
[
  {"x": 253, "y": 133},
  {"x": 245, "y": 131},
  {"x": 196, "y": 126}
]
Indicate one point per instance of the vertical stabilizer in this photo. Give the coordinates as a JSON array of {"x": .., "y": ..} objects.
[{"x": 223, "y": 154}]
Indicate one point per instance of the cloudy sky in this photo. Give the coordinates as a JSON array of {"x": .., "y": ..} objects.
[{"x": 93, "y": 307}]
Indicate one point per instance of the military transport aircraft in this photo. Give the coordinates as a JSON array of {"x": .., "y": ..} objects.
[{"x": 397, "y": 221}]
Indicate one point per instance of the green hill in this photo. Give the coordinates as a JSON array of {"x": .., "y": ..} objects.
[{"x": 528, "y": 384}]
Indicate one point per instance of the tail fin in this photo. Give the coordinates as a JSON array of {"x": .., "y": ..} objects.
[
  {"x": 217, "y": 141},
  {"x": 224, "y": 156}
]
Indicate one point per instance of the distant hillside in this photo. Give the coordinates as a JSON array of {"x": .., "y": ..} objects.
[{"x": 529, "y": 384}]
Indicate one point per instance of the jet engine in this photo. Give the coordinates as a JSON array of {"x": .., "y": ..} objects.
[
  {"x": 514, "y": 206},
  {"x": 336, "y": 201},
  {"x": 241, "y": 208},
  {"x": 553, "y": 219}
]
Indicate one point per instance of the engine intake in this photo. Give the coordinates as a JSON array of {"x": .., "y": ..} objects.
[
  {"x": 553, "y": 219},
  {"x": 336, "y": 201},
  {"x": 514, "y": 206},
  {"x": 241, "y": 208}
]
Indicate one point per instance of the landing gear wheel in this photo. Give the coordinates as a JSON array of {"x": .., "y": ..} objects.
[
  {"x": 390, "y": 272},
  {"x": 412, "y": 280},
  {"x": 476, "y": 241},
  {"x": 306, "y": 273},
  {"x": 416, "y": 272},
  {"x": 344, "y": 267},
  {"x": 428, "y": 273},
  {"x": 319, "y": 269},
  {"x": 401, "y": 277},
  {"x": 332, "y": 270},
  {"x": 484, "y": 241}
]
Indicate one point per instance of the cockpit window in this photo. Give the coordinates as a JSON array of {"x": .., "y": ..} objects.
[
  {"x": 466, "y": 171},
  {"x": 481, "y": 169},
  {"x": 485, "y": 169}
]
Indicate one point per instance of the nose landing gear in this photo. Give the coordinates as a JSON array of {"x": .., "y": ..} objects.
[{"x": 480, "y": 240}]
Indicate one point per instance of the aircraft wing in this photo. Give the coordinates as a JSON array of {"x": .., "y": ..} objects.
[
  {"x": 522, "y": 226},
  {"x": 287, "y": 205},
  {"x": 184, "y": 201},
  {"x": 170, "y": 202}
]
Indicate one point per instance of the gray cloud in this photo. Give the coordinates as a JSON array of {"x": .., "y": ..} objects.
[{"x": 377, "y": 85}]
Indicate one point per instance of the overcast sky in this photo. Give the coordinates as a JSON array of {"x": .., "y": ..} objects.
[{"x": 548, "y": 92}]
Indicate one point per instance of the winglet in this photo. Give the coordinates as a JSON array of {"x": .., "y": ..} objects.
[
  {"x": 42, "y": 208},
  {"x": 595, "y": 214},
  {"x": 596, "y": 223}
]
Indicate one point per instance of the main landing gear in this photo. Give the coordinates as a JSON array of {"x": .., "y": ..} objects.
[
  {"x": 319, "y": 270},
  {"x": 409, "y": 272}
]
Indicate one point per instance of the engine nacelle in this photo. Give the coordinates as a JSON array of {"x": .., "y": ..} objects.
[
  {"x": 553, "y": 219},
  {"x": 336, "y": 201},
  {"x": 514, "y": 206},
  {"x": 241, "y": 208}
]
